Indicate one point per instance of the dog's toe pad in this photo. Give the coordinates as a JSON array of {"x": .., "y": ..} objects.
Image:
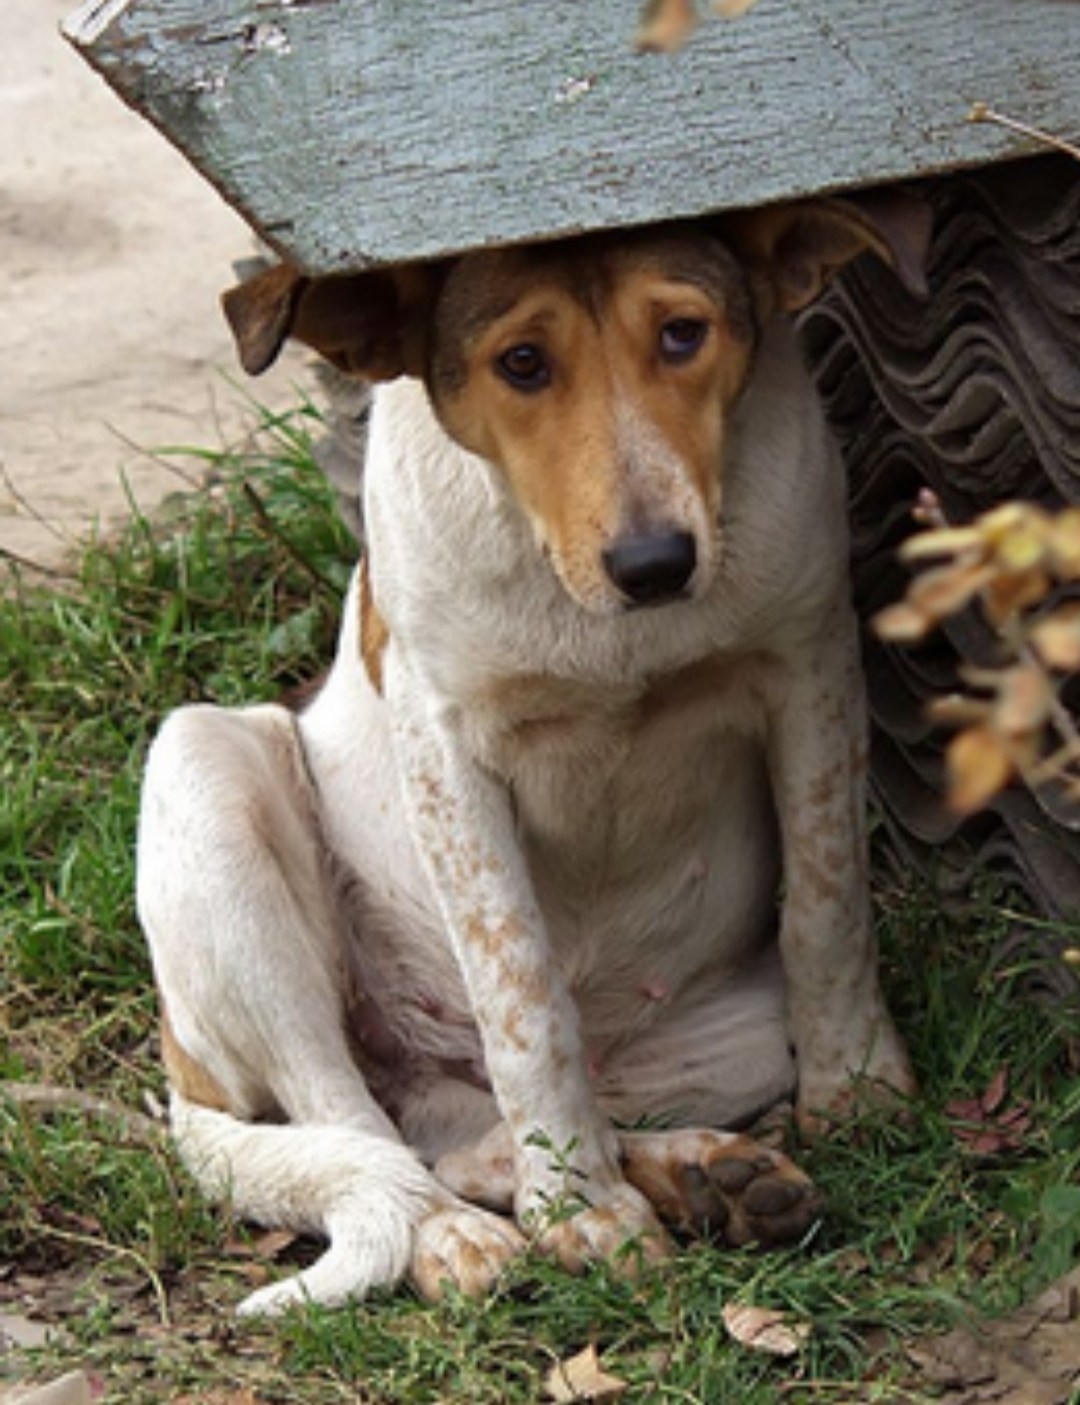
[{"x": 721, "y": 1186}]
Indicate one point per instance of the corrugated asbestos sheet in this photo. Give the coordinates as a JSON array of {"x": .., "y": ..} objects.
[{"x": 976, "y": 393}]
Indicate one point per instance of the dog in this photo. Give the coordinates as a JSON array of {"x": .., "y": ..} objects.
[{"x": 510, "y": 882}]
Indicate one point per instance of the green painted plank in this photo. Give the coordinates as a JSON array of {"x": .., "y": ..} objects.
[{"x": 357, "y": 131}]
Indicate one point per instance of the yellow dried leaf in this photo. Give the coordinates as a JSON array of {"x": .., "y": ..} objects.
[
  {"x": 947, "y": 589},
  {"x": 665, "y": 25},
  {"x": 1065, "y": 544},
  {"x": 219, "y": 1397},
  {"x": 957, "y": 710},
  {"x": 1057, "y": 637},
  {"x": 764, "y": 1329},
  {"x": 902, "y": 624},
  {"x": 581, "y": 1377},
  {"x": 977, "y": 766},
  {"x": 732, "y": 9},
  {"x": 1010, "y": 517},
  {"x": 942, "y": 541},
  {"x": 1025, "y": 543},
  {"x": 1024, "y": 695},
  {"x": 1006, "y": 595}
]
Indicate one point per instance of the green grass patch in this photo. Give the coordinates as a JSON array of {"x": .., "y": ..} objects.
[{"x": 231, "y": 595}]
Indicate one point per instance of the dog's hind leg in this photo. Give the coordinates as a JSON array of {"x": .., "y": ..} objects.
[
  {"x": 240, "y": 916},
  {"x": 236, "y": 903}
]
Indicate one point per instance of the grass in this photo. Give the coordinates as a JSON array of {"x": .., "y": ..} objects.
[{"x": 232, "y": 595}]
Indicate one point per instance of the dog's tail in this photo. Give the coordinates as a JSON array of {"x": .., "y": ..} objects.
[{"x": 365, "y": 1193}]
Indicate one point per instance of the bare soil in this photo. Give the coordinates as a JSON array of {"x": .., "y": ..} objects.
[{"x": 112, "y": 254}]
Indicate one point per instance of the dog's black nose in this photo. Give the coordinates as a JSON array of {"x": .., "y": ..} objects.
[{"x": 652, "y": 569}]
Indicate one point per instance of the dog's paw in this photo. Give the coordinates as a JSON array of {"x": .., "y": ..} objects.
[
  {"x": 618, "y": 1226},
  {"x": 721, "y": 1185},
  {"x": 464, "y": 1248}
]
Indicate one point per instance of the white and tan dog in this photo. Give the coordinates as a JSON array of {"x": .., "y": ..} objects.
[{"x": 512, "y": 876}]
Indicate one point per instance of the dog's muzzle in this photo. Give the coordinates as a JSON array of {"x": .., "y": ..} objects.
[{"x": 651, "y": 569}]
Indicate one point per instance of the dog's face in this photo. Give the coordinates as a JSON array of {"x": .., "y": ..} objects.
[
  {"x": 598, "y": 374},
  {"x": 599, "y": 377}
]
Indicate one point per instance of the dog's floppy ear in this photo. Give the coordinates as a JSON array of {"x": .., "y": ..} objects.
[
  {"x": 371, "y": 324},
  {"x": 796, "y": 248}
]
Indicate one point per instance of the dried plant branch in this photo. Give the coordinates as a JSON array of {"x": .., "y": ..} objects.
[
  {"x": 1011, "y": 722},
  {"x": 666, "y": 25},
  {"x": 983, "y": 112},
  {"x": 134, "y": 1126}
]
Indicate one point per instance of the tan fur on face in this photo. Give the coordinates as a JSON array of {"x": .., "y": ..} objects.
[{"x": 622, "y": 441}]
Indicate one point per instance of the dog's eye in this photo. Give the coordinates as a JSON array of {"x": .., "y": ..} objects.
[
  {"x": 525, "y": 367},
  {"x": 682, "y": 338}
]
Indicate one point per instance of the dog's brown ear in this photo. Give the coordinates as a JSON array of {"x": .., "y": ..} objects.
[
  {"x": 796, "y": 248},
  {"x": 371, "y": 324}
]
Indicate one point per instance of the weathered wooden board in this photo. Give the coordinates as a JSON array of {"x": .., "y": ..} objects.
[{"x": 354, "y": 131}]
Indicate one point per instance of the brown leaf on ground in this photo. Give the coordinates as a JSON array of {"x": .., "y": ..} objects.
[
  {"x": 270, "y": 1244},
  {"x": 984, "y": 1125},
  {"x": 219, "y": 1397},
  {"x": 1031, "y": 1357},
  {"x": 72, "y": 1389},
  {"x": 20, "y": 1331},
  {"x": 581, "y": 1377},
  {"x": 764, "y": 1329}
]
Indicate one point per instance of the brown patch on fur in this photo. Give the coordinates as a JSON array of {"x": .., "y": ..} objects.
[
  {"x": 188, "y": 1077},
  {"x": 374, "y": 634},
  {"x": 511, "y": 1029}
]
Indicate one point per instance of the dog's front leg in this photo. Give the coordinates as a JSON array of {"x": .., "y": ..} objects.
[
  {"x": 570, "y": 1187},
  {"x": 818, "y": 757}
]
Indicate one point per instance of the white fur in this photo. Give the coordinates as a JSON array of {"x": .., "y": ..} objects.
[{"x": 528, "y": 876}]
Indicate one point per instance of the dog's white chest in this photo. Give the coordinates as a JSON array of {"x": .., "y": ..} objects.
[{"x": 645, "y": 817}]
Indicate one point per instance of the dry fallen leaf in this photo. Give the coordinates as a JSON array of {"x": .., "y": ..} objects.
[
  {"x": 1028, "y": 1358},
  {"x": 268, "y": 1244},
  {"x": 764, "y": 1329},
  {"x": 581, "y": 1377},
  {"x": 1025, "y": 696},
  {"x": 977, "y": 766},
  {"x": 20, "y": 1331},
  {"x": 219, "y": 1397},
  {"x": 985, "y": 1126},
  {"x": 72, "y": 1389},
  {"x": 1057, "y": 637}
]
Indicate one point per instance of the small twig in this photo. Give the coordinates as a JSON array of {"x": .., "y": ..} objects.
[
  {"x": 161, "y": 457},
  {"x": 983, "y": 112},
  {"x": 21, "y": 500},
  {"x": 120, "y": 1251},
  {"x": 26, "y": 563},
  {"x": 1060, "y": 716},
  {"x": 274, "y": 532},
  {"x": 135, "y": 1126}
]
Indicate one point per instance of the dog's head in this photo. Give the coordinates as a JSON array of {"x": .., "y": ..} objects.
[{"x": 598, "y": 374}]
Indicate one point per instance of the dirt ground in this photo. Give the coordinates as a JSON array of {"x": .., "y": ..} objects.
[{"x": 112, "y": 255}]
